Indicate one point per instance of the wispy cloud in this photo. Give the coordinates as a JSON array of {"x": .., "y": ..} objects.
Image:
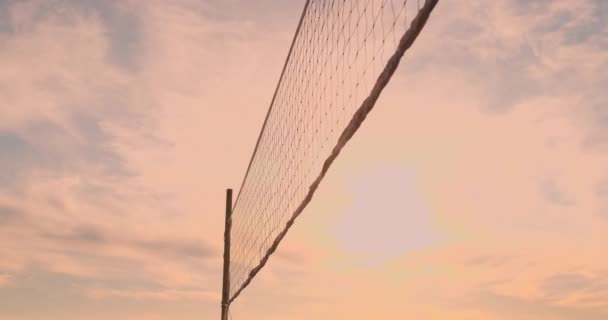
[
  {"x": 577, "y": 289},
  {"x": 174, "y": 295},
  {"x": 73, "y": 103},
  {"x": 121, "y": 123},
  {"x": 554, "y": 194},
  {"x": 521, "y": 308}
]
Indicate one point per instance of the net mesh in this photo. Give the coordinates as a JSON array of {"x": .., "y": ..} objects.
[{"x": 342, "y": 55}]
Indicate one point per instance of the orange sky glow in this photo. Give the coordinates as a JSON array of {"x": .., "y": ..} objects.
[{"x": 476, "y": 189}]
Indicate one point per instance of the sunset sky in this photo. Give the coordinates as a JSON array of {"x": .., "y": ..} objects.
[{"x": 476, "y": 189}]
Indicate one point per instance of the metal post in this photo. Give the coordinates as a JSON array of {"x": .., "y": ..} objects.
[{"x": 226, "y": 277}]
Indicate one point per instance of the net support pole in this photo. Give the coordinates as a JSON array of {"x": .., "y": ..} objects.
[{"x": 226, "y": 272}]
